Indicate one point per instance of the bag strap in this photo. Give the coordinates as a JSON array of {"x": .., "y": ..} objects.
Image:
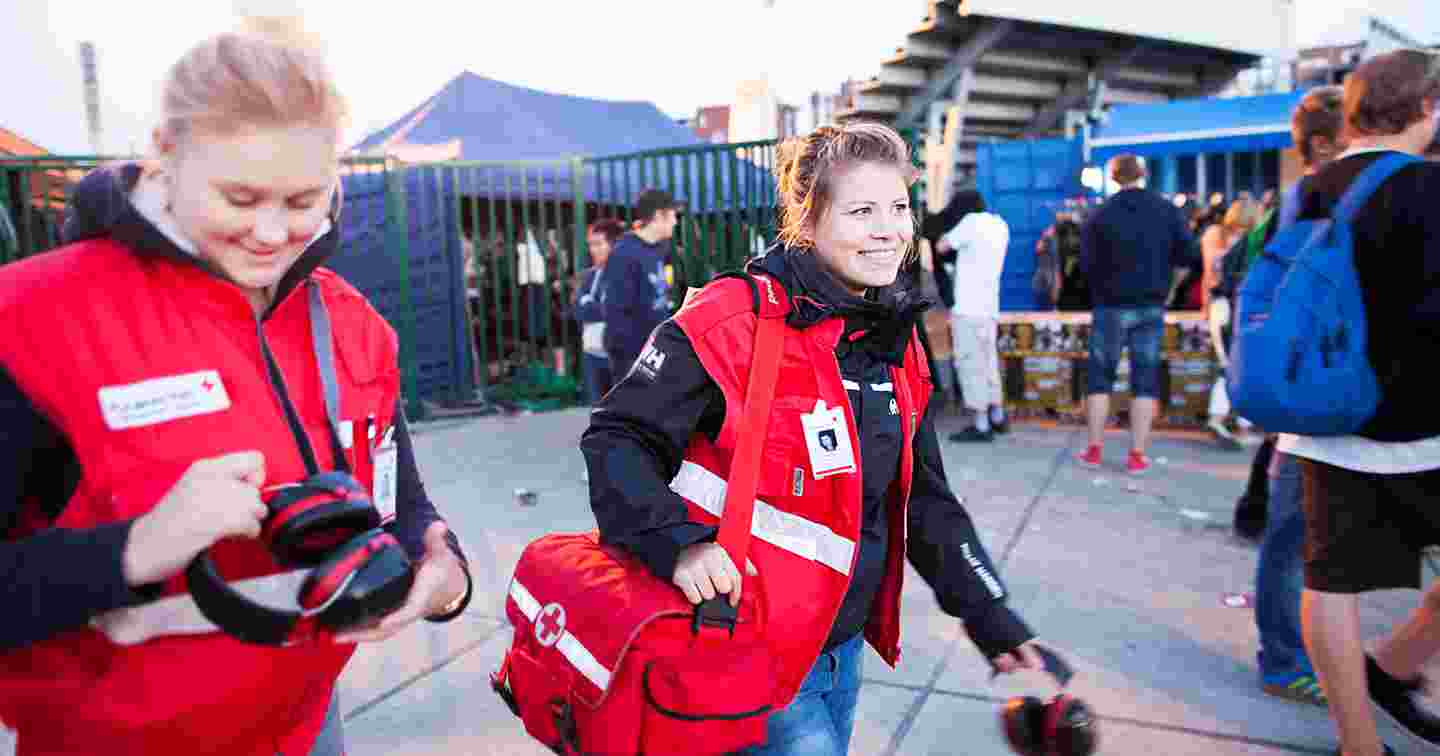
[
  {"x": 324, "y": 346},
  {"x": 1367, "y": 182},
  {"x": 736, "y": 520}
]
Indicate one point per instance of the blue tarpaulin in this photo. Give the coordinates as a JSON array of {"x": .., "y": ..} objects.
[
  {"x": 1187, "y": 127},
  {"x": 478, "y": 119},
  {"x": 497, "y": 121}
]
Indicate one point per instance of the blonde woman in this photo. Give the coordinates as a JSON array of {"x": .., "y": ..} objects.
[{"x": 184, "y": 377}]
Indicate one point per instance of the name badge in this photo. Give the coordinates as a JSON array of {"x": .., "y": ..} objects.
[
  {"x": 386, "y": 470},
  {"x": 827, "y": 437},
  {"x": 160, "y": 400}
]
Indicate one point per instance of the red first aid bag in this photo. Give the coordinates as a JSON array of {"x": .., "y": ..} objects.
[{"x": 609, "y": 659}]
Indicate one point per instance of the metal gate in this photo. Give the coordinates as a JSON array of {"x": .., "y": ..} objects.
[{"x": 475, "y": 264}]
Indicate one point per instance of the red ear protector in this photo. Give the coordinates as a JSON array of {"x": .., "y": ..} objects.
[
  {"x": 1062, "y": 726},
  {"x": 359, "y": 572}
]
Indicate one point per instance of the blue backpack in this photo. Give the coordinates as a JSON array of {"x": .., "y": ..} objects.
[{"x": 1299, "y": 360}]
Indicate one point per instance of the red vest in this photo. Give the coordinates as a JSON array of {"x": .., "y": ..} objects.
[
  {"x": 804, "y": 541},
  {"x": 95, "y": 316}
]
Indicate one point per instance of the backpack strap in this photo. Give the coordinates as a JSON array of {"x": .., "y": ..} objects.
[{"x": 1367, "y": 182}]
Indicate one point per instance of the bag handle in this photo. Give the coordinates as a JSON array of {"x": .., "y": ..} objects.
[{"x": 736, "y": 519}]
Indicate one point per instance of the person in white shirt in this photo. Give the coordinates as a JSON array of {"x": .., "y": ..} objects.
[{"x": 977, "y": 247}]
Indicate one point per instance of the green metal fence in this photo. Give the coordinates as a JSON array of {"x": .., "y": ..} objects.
[{"x": 520, "y": 229}]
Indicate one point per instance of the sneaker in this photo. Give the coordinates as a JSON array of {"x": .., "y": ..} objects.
[
  {"x": 1092, "y": 457},
  {"x": 1223, "y": 436},
  {"x": 972, "y": 434},
  {"x": 1138, "y": 464},
  {"x": 1000, "y": 428},
  {"x": 1302, "y": 687},
  {"x": 1395, "y": 700}
]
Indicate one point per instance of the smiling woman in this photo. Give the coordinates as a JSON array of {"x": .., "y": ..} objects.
[
  {"x": 248, "y": 428},
  {"x": 851, "y": 466}
]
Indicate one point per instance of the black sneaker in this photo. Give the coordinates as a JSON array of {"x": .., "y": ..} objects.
[
  {"x": 1395, "y": 700},
  {"x": 972, "y": 434},
  {"x": 1000, "y": 428}
]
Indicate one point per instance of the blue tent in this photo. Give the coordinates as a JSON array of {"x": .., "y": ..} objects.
[
  {"x": 473, "y": 118},
  {"x": 1236, "y": 124},
  {"x": 498, "y": 121}
]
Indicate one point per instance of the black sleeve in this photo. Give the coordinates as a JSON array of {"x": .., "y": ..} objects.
[
  {"x": 414, "y": 512},
  {"x": 634, "y": 447},
  {"x": 57, "y": 579},
  {"x": 946, "y": 551}
]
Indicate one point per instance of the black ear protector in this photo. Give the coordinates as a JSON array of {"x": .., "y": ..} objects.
[
  {"x": 359, "y": 572},
  {"x": 327, "y": 522},
  {"x": 1061, "y": 726}
]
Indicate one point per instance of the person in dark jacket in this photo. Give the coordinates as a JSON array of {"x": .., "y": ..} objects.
[
  {"x": 589, "y": 309},
  {"x": 1369, "y": 498},
  {"x": 848, "y": 225},
  {"x": 1128, "y": 250},
  {"x": 636, "y": 288}
]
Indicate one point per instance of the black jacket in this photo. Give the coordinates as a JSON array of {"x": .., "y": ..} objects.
[
  {"x": 58, "y": 579},
  {"x": 1129, "y": 247},
  {"x": 637, "y": 438}
]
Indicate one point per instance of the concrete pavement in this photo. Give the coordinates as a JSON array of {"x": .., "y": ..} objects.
[{"x": 1125, "y": 576}]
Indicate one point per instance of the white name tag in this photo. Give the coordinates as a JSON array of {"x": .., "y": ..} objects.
[
  {"x": 827, "y": 437},
  {"x": 386, "y": 470},
  {"x": 160, "y": 400}
]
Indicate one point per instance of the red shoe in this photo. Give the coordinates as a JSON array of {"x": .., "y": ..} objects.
[
  {"x": 1091, "y": 458},
  {"x": 1139, "y": 464}
]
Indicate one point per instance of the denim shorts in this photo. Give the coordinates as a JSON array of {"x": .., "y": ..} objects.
[{"x": 1113, "y": 329}]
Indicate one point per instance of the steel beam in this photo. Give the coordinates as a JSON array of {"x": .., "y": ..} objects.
[
  {"x": 1076, "y": 91},
  {"x": 984, "y": 39}
]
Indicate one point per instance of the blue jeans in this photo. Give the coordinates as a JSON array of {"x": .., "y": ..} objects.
[
  {"x": 819, "y": 721},
  {"x": 596, "y": 368},
  {"x": 1111, "y": 330},
  {"x": 1279, "y": 577}
]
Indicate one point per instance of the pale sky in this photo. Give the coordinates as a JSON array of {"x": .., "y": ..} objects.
[{"x": 389, "y": 57}]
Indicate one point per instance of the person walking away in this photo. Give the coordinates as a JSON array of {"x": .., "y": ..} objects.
[
  {"x": 1129, "y": 248},
  {"x": 635, "y": 290},
  {"x": 1369, "y": 498},
  {"x": 978, "y": 245},
  {"x": 1285, "y": 668}
]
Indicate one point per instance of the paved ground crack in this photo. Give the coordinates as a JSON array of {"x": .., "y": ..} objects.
[{"x": 1061, "y": 459}]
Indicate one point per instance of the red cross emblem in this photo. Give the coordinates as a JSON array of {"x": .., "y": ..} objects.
[
  {"x": 207, "y": 385},
  {"x": 550, "y": 624}
]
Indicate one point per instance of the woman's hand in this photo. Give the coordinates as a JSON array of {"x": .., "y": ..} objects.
[
  {"x": 215, "y": 498},
  {"x": 704, "y": 571},
  {"x": 439, "y": 581},
  {"x": 1024, "y": 656}
]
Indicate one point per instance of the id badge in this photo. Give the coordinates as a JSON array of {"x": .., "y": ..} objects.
[
  {"x": 386, "y": 470},
  {"x": 827, "y": 437}
]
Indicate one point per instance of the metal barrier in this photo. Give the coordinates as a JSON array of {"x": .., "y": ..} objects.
[{"x": 476, "y": 264}]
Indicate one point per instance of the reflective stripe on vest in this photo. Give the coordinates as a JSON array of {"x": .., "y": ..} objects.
[
  {"x": 791, "y": 532},
  {"x": 568, "y": 645}
]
